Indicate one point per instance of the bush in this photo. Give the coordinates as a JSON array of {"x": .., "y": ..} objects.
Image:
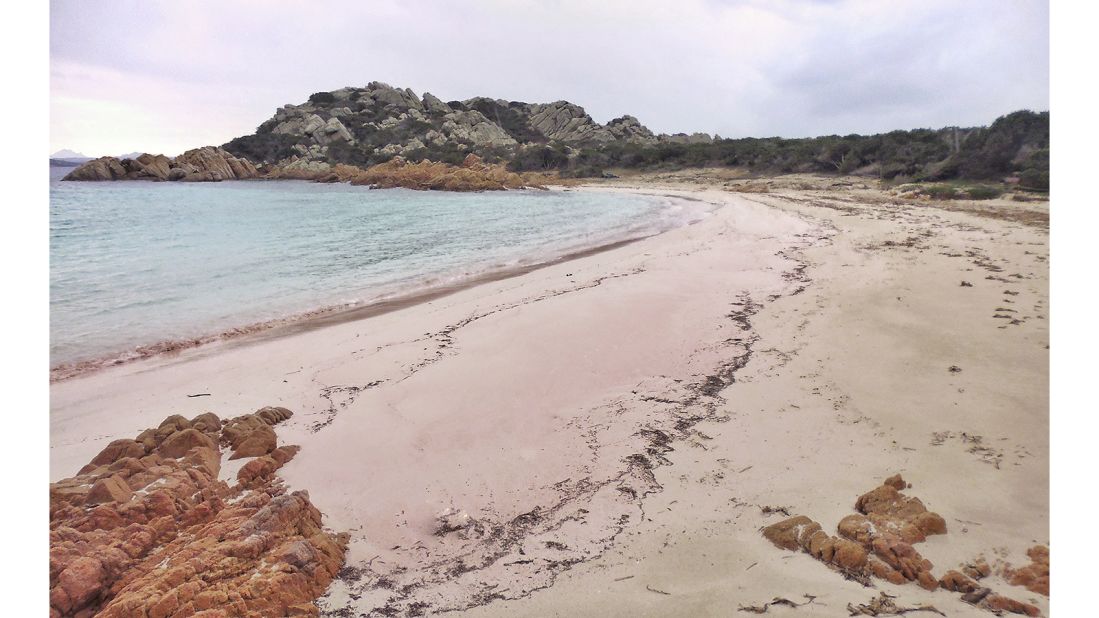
[
  {"x": 983, "y": 192},
  {"x": 322, "y": 98},
  {"x": 260, "y": 147},
  {"x": 1034, "y": 179}
]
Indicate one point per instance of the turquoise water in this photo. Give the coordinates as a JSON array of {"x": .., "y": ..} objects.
[{"x": 134, "y": 263}]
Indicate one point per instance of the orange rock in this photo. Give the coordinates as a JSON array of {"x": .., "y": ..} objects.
[
  {"x": 849, "y": 555},
  {"x": 206, "y": 458},
  {"x": 884, "y": 571},
  {"x": 82, "y": 581},
  {"x": 207, "y": 422},
  {"x": 184, "y": 542},
  {"x": 822, "y": 546},
  {"x": 896, "y": 482},
  {"x": 785, "y": 534},
  {"x": 926, "y": 580},
  {"x": 110, "y": 489},
  {"x": 958, "y": 582},
  {"x": 1000, "y": 603},
  {"x": 256, "y": 469},
  {"x": 178, "y": 443},
  {"x": 259, "y": 441},
  {"x": 857, "y": 528},
  {"x": 1034, "y": 576},
  {"x": 273, "y": 415},
  {"x": 284, "y": 454},
  {"x": 929, "y": 523},
  {"x": 117, "y": 450}
]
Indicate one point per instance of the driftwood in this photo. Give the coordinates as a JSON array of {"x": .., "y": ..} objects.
[
  {"x": 762, "y": 609},
  {"x": 883, "y": 605}
]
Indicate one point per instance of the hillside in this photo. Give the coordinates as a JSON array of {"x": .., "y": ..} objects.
[{"x": 371, "y": 125}]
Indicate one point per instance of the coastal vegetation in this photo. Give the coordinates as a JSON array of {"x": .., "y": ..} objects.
[
  {"x": 422, "y": 142},
  {"x": 372, "y": 125}
]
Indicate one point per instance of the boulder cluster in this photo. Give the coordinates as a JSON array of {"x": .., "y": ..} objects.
[
  {"x": 353, "y": 124},
  {"x": 148, "y": 529},
  {"x": 206, "y": 164},
  {"x": 878, "y": 541}
]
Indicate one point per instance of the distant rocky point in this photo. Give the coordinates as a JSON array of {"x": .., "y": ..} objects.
[
  {"x": 366, "y": 126},
  {"x": 206, "y": 164}
]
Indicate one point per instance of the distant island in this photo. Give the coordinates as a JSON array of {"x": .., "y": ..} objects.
[{"x": 337, "y": 135}]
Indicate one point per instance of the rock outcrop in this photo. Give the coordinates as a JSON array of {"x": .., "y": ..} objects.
[
  {"x": 206, "y": 164},
  {"x": 879, "y": 540},
  {"x": 148, "y": 529},
  {"x": 378, "y": 122},
  {"x": 472, "y": 175},
  {"x": 569, "y": 123},
  {"x": 630, "y": 129}
]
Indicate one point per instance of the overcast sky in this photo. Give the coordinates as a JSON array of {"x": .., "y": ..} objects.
[{"x": 166, "y": 76}]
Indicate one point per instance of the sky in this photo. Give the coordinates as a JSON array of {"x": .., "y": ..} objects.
[{"x": 163, "y": 77}]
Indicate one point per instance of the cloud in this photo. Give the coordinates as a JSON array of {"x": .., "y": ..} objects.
[{"x": 204, "y": 72}]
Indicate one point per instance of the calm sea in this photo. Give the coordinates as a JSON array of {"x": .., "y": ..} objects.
[{"x": 134, "y": 263}]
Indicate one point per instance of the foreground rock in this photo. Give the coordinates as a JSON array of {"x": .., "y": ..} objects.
[
  {"x": 148, "y": 529},
  {"x": 879, "y": 540},
  {"x": 206, "y": 164}
]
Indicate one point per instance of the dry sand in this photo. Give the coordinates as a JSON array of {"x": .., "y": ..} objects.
[{"x": 604, "y": 431}]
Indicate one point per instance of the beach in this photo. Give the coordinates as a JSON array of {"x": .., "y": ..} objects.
[{"x": 607, "y": 434}]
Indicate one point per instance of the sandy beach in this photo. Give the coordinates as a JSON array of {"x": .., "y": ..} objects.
[{"x": 607, "y": 435}]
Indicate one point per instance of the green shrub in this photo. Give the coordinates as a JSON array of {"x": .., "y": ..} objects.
[
  {"x": 983, "y": 192},
  {"x": 1034, "y": 179},
  {"x": 260, "y": 147}
]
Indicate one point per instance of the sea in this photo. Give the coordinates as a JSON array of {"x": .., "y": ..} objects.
[{"x": 136, "y": 263}]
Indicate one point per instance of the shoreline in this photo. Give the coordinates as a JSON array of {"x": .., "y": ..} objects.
[
  {"x": 609, "y": 435},
  {"x": 323, "y": 316},
  {"x": 483, "y": 370}
]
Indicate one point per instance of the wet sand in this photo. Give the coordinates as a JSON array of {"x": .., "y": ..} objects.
[{"x": 599, "y": 435}]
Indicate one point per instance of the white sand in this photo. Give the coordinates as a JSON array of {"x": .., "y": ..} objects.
[{"x": 530, "y": 395}]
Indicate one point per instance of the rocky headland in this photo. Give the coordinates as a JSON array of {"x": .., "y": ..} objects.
[
  {"x": 156, "y": 526},
  {"x": 367, "y": 126},
  {"x": 206, "y": 164}
]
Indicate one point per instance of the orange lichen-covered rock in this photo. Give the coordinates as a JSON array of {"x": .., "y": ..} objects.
[
  {"x": 849, "y": 555},
  {"x": 979, "y": 569},
  {"x": 260, "y": 441},
  {"x": 958, "y": 582},
  {"x": 262, "y": 467},
  {"x": 251, "y": 435},
  {"x": 857, "y": 528},
  {"x": 207, "y": 422},
  {"x": 1034, "y": 576},
  {"x": 110, "y": 489},
  {"x": 800, "y": 532},
  {"x": 161, "y": 535},
  {"x": 1000, "y": 603},
  {"x": 177, "y": 444},
  {"x": 117, "y": 450},
  {"x": 883, "y": 571},
  {"x": 889, "y": 504},
  {"x": 473, "y": 175},
  {"x": 878, "y": 542},
  {"x": 786, "y": 533}
]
